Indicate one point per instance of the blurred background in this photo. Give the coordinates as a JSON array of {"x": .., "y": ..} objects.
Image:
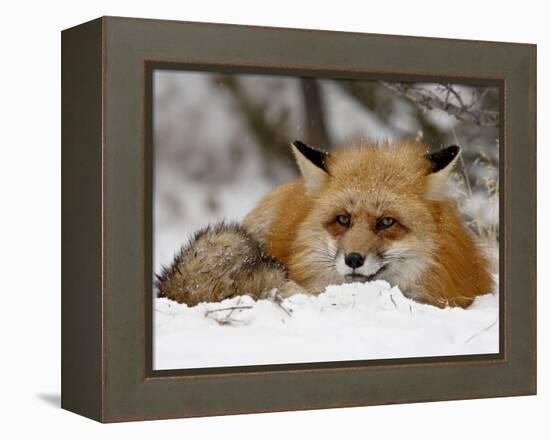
[{"x": 221, "y": 142}]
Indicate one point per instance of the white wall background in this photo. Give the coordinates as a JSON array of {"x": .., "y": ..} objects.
[{"x": 30, "y": 218}]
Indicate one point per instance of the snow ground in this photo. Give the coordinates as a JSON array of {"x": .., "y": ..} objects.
[{"x": 348, "y": 322}]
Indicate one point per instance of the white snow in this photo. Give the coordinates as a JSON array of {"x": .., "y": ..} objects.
[{"x": 347, "y": 322}]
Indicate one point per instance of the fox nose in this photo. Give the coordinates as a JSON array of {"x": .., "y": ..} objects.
[{"x": 354, "y": 260}]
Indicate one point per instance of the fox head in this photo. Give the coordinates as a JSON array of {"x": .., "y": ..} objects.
[{"x": 375, "y": 212}]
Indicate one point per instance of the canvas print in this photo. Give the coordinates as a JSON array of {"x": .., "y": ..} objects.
[{"x": 304, "y": 220}]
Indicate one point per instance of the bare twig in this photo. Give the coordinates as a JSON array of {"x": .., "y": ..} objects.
[
  {"x": 277, "y": 299},
  {"x": 430, "y": 100},
  {"x": 171, "y": 315},
  {"x": 224, "y": 309},
  {"x": 227, "y": 319},
  {"x": 479, "y": 98},
  {"x": 466, "y": 179},
  {"x": 450, "y": 89},
  {"x": 475, "y": 335},
  {"x": 488, "y": 233}
]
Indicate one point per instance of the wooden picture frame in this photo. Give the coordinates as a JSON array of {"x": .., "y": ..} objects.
[{"x": 107, "y": 216}]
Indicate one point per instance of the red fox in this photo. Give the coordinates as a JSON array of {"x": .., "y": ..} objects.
[{"x": 359, "y": 214}]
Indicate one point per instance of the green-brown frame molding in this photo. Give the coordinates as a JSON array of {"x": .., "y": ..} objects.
[{"x": 107, "y": 67}]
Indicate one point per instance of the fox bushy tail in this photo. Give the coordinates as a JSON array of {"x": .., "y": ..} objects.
[{"x": 222, "y": 261}]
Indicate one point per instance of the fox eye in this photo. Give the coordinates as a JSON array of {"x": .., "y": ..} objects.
[
  {"x": 343, "y": 220},
  {"x": 385, "y": 222}
]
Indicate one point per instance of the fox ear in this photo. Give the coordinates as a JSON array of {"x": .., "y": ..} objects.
[
  {"x": 442, "y": 163},
  {"x": 313, "y": 166},
  {"x": 441, "y": 160}
]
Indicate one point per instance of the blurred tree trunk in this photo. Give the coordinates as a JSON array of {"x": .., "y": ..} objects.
[
  {"x": 270, "y": 133},
  {"x": 314, "y": 115}
]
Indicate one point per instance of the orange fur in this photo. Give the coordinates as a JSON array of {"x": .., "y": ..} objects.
[{"x": 428, "y": 252}]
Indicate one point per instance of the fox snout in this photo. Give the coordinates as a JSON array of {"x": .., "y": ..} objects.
[
  {"x": 354, "y": 266},
  {"x": 354, "y": 260}
]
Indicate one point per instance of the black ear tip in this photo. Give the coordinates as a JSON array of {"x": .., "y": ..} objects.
[
  {"x": 317, "y": 157},
  {"x": 299, "y": 144},
  {"x": 440, "y": 159},
  {"x": 305, "y": 149},
  {"x": 453, "y": 150}
]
